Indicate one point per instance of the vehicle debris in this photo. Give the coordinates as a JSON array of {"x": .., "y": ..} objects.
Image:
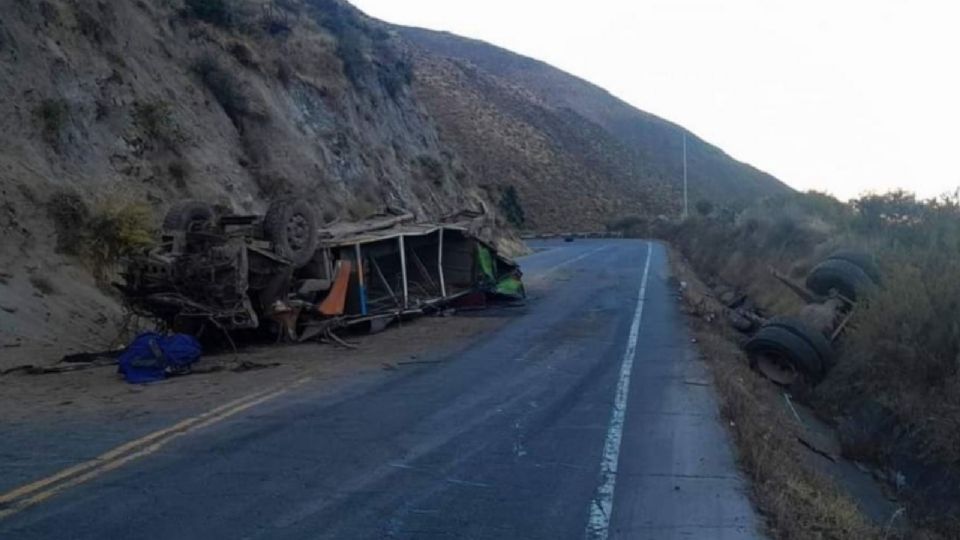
[
  {"x": 152, "y": 357},
  {"x": 215, "y": 272},
  {"x": 799, "y": 350}
]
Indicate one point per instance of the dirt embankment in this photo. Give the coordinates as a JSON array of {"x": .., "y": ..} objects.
[{"x": 893, "y": 393}]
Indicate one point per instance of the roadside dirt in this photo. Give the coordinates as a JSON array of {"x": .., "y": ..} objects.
[{"x": 100, "y": 391}]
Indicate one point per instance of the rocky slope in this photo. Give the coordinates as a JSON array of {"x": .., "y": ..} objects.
[{"x": 110, "y": 110}]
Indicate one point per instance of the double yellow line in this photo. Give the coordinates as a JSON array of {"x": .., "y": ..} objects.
[{"x": 36, "y": 492}]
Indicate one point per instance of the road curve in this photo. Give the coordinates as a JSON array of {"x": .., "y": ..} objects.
[{"x": 586, "y": 415}]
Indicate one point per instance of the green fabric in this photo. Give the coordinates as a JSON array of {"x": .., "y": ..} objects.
[
  {"x": 485, "y": 261},
  {"x": 510, "y": 285}
]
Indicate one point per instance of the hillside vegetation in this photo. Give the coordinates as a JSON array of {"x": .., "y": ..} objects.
[{"x": 895, "y": 391}]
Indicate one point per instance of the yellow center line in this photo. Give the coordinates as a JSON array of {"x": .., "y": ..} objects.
[{"x": 130, "y": 451}]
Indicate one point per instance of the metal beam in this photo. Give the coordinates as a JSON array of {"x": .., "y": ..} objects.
[
  {"x": 360, "y": 281},
  {"x": 403, "y": 272},
  {"x": 443, "y": 285}
]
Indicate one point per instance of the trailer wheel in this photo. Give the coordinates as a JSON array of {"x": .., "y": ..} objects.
[
  {"x": 783, "y": 357},
  {"x": 183, "y": 214},
  {"x": 291, "y": 225},
  {"x": 811, "y": 335},
  {"x": 837, "y": 274},
  {"x": 864, "y": 260}
]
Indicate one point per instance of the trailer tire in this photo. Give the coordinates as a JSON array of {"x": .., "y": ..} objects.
[
  {"x": 185, "y": 213},
  {"x": 845, "y": 277},
  {"x": 864, "y": 260},
  {"x": 780, "y": 355},
  {"x": 291, "y": 226},
  {"x": 811, "y": 335}
]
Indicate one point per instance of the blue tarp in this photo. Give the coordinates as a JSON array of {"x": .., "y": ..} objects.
[{"x": 151, "y": 356}]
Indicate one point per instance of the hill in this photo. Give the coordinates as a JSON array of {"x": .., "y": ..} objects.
[{"x": 650, "y": 146}]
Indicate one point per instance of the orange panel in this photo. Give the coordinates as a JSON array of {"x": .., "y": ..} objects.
[{"x": 336, "y": 299}]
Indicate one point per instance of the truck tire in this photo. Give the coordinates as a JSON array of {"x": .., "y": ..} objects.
[
  {"x": 847, "y": 278},
  {"x": 864, "y": 260},
  {"x": 782, "y": 356},
  {"x": 185, "y": 213},
  {"x": 291, "y": 225},
  {"x": 811, "y": 335}
]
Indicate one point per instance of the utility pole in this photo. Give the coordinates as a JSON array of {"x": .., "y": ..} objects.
[{"x": 686, "y": 206}]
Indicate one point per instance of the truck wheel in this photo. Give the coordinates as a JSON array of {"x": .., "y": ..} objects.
[
  {"x": 844, "y": 276},
  {"x": 782, "y": 356},
  {"x": 291, "y": 225},
  {"x": 812, "y": 336},
  {"x": 864, "y": 260},
  {"x": 183, "y": 214}
]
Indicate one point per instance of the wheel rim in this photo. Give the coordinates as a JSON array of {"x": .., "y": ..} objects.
[
  {"x": 777, "y": 368},
  {"x": 297, "y": 233}
]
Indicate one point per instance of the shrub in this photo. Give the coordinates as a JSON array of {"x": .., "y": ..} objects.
[
  {"x": 156, "y": 121},
  {"x": 102, "y": 237},
  {"x": 395, "y": 75},
  {"x": 243, "y": 54},
  {"x": 510, "y": 206},
  {"x": 431, "y": 168},
  {"x": 179, "y": 172},
  {"x": 43, "y": 284},
  {"x": 114, "y": 231},
  {"x": 52, "y": 115},
  {"x": 91, "y": 27},
  {"x": 69, "y": 215}
]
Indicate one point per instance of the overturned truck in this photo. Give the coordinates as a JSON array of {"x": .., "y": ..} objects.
[{"x": 282, "y": 274}]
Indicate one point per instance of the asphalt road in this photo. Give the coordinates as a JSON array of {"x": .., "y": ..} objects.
[{"x": 586, "y": 415}]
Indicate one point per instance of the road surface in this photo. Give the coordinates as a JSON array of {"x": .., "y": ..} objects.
[{"x": 586, "y": 415}]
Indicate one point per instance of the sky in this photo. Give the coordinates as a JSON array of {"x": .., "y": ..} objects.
[{"x": 841, "y": 96}]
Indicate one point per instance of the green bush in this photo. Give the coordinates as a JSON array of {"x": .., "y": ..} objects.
[
  {"x": 101, "y": 237},
  {"x": 114, "y": 231}
]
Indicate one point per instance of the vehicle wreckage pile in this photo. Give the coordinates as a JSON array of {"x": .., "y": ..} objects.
[
  {"x": 281, "y": 274},
  {"x": 798, "y": 350}
]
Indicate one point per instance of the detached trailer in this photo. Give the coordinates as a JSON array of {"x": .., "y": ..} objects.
[
  {"x": 799, "y": 350},
  {"x": 281, "y": 273}
]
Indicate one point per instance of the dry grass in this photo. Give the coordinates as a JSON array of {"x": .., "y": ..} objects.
[
  {"x": 798, "y": 502},
  {"x": 902, "y": 347}
]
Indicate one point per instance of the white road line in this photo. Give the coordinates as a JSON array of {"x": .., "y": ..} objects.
[{"x": 601, "y": 507}]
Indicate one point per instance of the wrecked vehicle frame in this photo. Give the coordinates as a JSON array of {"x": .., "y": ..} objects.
[{"x": 281, "y": 273}]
